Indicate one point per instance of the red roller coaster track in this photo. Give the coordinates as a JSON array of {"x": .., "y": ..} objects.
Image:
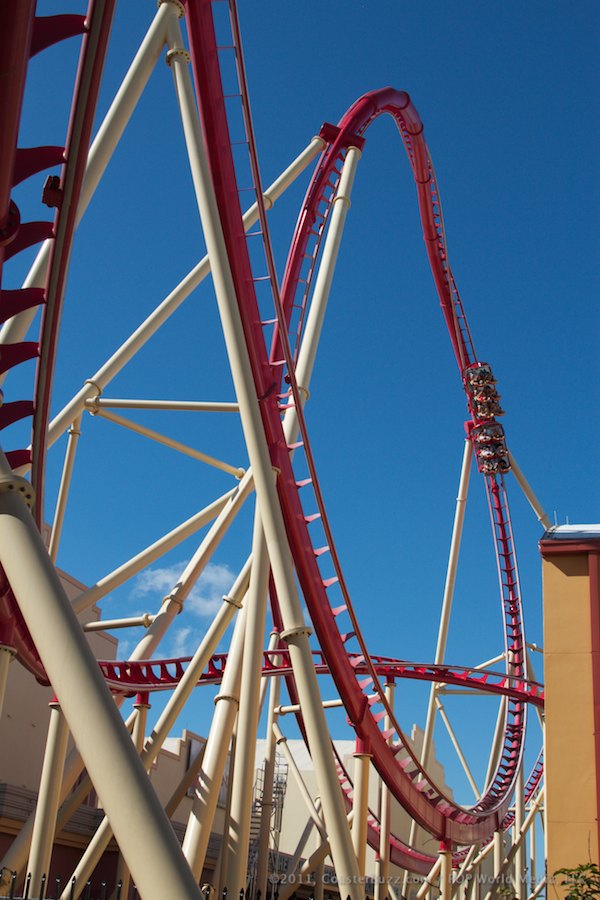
[{"x": 343, "y": 651}]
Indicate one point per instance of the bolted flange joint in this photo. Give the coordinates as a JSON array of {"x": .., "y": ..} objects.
[
  {"x": 177, "y": 53},
  {"x": 176, "y": 3},
  {"x": 291, "y": 633},
  {"x": 17, "y": 485}
]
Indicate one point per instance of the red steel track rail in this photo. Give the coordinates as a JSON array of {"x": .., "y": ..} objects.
[
  {"x": 414, "y": 789},
  {"x": 134, "y": 676},
  {"x": 63, "y": 194},
  {"x": 355, "y": 673}
]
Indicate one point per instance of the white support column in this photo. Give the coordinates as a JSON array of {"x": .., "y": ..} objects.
[
  {"x": 498, "y": 843},
  {"x": 304, "y": 792},
  {"x": 445, "y": 856},
  {"x": 362, "y": 765},
  {"x": 303, "y": 840},
  {"x": 527, "y": 490},
  {"x": 168, "y": 717},
  {"x": 520, "y": 877},
  {"x": 296, "y": 633},
  {"x": 6, "y": 654},
  {"x": 319, "y": 876},
  {"x": 141, "y": 706},
  {"x": 210, "y": 777},
  {"x": 382, "y": 870},
  {"x": 140, "y": 825},
  {"x": 245, "y": 749},
  {"x": 220, "y": 872},
  {"x": 457, "y": 530},
  {"x": 308, "y": 867},
  {"x": 430, "y": 879},
  {"x": 48, "y": 797},
  {"x": 267, "y": 797},
  {"x": 65, "y": 484}
]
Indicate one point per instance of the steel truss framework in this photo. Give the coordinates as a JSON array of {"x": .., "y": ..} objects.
[{"x": 271, "y": 334}]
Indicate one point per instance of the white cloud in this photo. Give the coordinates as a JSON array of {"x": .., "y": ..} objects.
[
  {"x": 204, "y": 598},
  {"x": 181, "y": 645}
]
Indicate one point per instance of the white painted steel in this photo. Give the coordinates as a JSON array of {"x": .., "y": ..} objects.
[
  {"x": 101, "y": 151},
  {"x": 163, "y": 439},
  {"x": 99, "y": 842},
  {"x": 529, "y": 494},
  {"x": 137, "y": 736},
  {"x": 304, "y": 792},
  {"x": 266, "y": 811},
  {"x": 457, "y": 747},
  {"x": 430, "y": 879},
  {"x": 111, "y": 624},
  {"x": 168, "y": 405},
  {"x": 445, "y": 857},
  {"x": 48, "y": 797},
  {"x": 491, "y": 662},
  {"x": 93, "y": 718},
  {"x": 502, "y": 862},
  {"x": 296, "y": 632},
  {"x": 6, "y": 654},
  {"x": 362, "y": 765},
  {"x": 201, "y": 817},
  {"x": 238, "y": 833},
  {"x": 497, "y": 742},
  {"x": 457, "y": 529},
  {"x": 316, "y": 859},
  {"x": 520, "y": 875},
  {"x": 382, "y": 865},
  {"x": 227, "y": 504},
  {"x": 65, "y": 484},
  {"x": 94, "y": 386}
]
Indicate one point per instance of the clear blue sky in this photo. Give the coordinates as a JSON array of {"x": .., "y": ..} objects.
[{"x": 509, "y": 97}]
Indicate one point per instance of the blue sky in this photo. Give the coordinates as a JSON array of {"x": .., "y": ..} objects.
[{"x": 509, "y": 97}]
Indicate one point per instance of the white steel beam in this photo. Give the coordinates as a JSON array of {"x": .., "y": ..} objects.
[
  {"x": 48, "y": 796},
  {"x": 238, "y": 834},
  {"x": 111, "y": 624},
  {"x": 101, "y": 151},
  {"x": 168, "y": 405},
  {"x": 296, "y": 633},
  {"x": 457, "y": 530},
  {"x": 168, "y": 717},
  {"x": 102, "y": 378},
  {"x": 93, "y": 718},
  {"x": 226, "y": 505},
  {"x": 362, "y": 765},
  {"x": 266, "y": 810},
  {"x": 382, "y": 870},
  {"x": 6, "y": 654},
  {"x": 65, "y": 484},
  {"x": 529, "y": 494},
  {"x": 236, "y": 471}
]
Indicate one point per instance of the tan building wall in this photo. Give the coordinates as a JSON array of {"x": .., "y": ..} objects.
[{"x": 572, "y": 692}]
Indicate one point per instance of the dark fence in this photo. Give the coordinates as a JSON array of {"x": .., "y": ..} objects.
[{"x": 48, "y": 890}]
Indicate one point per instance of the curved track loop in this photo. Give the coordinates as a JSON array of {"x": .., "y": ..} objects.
[
  {"x": 132, "y": 676},
  {"x": 354, "y": 672},
  {"x": 62, "y": 193},
  {"x": 410, "y": 785}
]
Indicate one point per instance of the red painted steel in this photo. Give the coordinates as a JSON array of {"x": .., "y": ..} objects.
[
  {"x": 40, "y": 34},
  {"x": 439, "y": 814},
  {"x": 164, "y": 674},
  {"x": 413, "y": 789}
]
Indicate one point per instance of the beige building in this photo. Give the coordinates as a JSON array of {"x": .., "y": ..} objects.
[{"x": 571, "y": 560}]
